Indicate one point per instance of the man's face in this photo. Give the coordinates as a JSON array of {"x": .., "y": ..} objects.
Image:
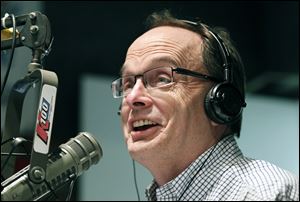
[{"x": 160, "y": 124}]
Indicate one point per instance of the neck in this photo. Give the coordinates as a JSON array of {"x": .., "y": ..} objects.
[
  {"x": 192, "y": 179},
  {"x": 165, "y": 170}
]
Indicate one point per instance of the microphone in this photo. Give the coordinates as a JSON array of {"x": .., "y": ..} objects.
[{"x": 71, "y": 159}]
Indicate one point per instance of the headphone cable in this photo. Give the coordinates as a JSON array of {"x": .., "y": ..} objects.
[
  {"x": 135, "y": 181},
  {"x": 12, "y": 53}
]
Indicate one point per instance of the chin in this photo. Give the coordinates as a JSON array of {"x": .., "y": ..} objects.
[
  {"x": 135, "y": 150},
  {"x": 138, "y": 147},
  {"x": 139, "y": 153}
]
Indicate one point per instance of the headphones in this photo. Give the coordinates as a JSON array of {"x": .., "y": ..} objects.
[{"x": 224, "y": 102}]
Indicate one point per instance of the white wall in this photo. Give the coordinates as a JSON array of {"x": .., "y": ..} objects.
[{"x": 270, "y": 132}]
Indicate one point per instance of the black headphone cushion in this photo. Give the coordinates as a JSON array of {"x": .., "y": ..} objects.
[{"x": 223, "y": 103}]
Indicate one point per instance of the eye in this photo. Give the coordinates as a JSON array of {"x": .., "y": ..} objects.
[
  {"x": 159, "y": 77},
  {"x": 127, "y": 83},
  {"x": 158, "y": 80},
  {"x": 163, "y": 79}
]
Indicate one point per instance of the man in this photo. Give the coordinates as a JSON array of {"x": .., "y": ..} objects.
[{"x": 183, "y": 92}]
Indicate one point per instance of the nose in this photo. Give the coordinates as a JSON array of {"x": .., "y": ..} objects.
[{"x": 138, "y": 98}]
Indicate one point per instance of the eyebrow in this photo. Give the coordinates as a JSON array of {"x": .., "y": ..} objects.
[{"x": 160, "y": 59}]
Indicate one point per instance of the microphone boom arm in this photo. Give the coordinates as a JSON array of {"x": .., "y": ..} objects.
[{"x": 36, "y": 35}]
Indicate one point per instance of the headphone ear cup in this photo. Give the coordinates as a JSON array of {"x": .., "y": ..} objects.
[{"x": 223, "y": 103}]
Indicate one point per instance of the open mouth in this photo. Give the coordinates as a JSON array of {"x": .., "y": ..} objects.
[{"x": 142, "y": 125}]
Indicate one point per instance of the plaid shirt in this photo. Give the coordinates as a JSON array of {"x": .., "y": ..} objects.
[{"x": 228, "y": 175}]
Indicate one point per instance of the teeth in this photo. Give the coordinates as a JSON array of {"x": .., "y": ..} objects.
[{"x": 142, "y": 123}]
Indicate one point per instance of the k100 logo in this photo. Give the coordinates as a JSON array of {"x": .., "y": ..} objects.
[{"x": 43, "y": 124}]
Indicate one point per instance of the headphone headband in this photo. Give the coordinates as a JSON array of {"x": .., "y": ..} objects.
[
  {"x": 224, "y": 102},
  {"x": 223, "y": 50},
  {"x": 225, "y": 57}
]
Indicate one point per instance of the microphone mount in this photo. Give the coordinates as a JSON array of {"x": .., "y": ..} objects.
[{"x": 36, "y": 35}]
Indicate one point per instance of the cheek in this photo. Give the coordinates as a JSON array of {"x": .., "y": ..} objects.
[
  {"x": 175, "y": 109},
  {"x": 166, "y": 104},
  {"x": 190, "y": 103},
  {"x": 124, "y": 114},
  {"x": 185, "y": 98},
  {"x": 124, "y": 117}
]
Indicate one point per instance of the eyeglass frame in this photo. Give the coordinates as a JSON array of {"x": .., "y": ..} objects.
[{"x": 178, "y": 70}]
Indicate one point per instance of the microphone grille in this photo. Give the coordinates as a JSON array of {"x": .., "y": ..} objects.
[{"x": 84, "y": 149}]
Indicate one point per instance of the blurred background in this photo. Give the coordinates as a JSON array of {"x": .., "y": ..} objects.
[{"x": 90, "y": 42}]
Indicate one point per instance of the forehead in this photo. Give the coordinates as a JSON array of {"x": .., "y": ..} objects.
[
  {"x": 163, "y": 44},
  {"x": 176, "y": 34}
]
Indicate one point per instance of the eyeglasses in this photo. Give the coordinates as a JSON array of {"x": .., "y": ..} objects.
[{"x": 154, "y": 78}]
